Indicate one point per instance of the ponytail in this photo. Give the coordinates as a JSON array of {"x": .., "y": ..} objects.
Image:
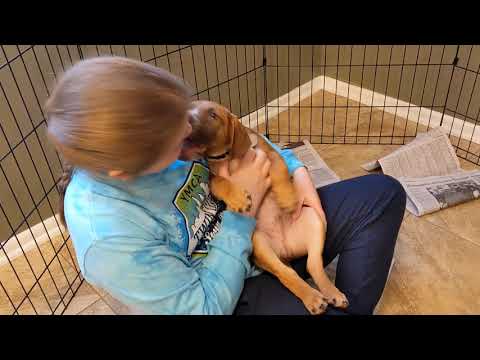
[{"x": 62, "y": 188}]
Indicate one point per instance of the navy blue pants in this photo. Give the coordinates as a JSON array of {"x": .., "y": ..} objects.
[{"x": 364, "y": 215}]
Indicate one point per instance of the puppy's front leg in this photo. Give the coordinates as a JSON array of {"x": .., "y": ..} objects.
[
  {"x": 236, "y": 199},
  {"x": 282, "y": 186}
]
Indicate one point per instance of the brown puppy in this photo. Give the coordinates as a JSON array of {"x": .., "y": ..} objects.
[{"x": 276, "y": 239}]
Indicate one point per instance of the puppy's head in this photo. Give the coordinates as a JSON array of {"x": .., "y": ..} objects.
[{"x": 218, "y": 130}]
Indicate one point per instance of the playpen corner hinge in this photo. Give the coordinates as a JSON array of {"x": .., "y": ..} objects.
[
  {"x": 264, "y": 63},
  {"x": 455, "y": 61}
]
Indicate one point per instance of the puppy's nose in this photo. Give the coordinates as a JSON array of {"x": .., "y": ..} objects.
[{"x": 193, "y": 113}]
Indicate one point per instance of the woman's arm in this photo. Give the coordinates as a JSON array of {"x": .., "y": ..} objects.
[
  {"x": 153, "y": 277},
  {"x": 307, "y": 193},
  {"x": 303, "y": 183}
]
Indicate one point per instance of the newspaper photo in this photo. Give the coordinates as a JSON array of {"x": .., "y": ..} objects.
[
  {"x": 429, "y": 170},
  {"x": 429, "y": 194},
  {"x": 321, "y": 174}
]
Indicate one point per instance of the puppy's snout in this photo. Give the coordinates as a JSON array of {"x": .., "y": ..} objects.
[
  {"x": 197, "y": 115},
  {"x": 203, "y": 128},
  {"x": 193, "y": 115}
]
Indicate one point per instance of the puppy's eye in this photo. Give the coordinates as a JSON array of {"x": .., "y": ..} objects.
[{"x": 212, "y": 114}]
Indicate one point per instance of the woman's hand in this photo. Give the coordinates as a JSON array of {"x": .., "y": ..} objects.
[
  {"x": 307, "y": 194},
  {"x": 251, "y": 173}
]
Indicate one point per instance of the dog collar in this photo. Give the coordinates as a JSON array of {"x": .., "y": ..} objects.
[
  {"x": 253, "y": 140},
  {"x": 219, "y": 157}
]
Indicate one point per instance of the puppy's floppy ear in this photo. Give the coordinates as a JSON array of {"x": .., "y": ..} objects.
[
  {"x": 203, "y": 128},
  {"x": 239, "y": 135}
]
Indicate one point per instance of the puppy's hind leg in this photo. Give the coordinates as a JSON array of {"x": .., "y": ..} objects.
[{"x": 265, "y": 258}]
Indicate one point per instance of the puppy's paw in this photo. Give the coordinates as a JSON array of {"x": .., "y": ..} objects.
[
  {"x": 334, "y": 296},
  {"x": 339, "y": 300},
  {"x": 315, "y": 302},
  {"x": 239, "y": 201}
]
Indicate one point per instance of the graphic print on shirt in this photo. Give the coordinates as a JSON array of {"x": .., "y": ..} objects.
[{"x": 201, "y": 211}]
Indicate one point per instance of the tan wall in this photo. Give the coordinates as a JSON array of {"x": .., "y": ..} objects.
[{"x": 422, "y": 80}]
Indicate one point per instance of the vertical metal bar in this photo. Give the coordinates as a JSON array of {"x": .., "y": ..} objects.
[
  {"x": 265, "y": 94},
  {"x": 206, "y": 72},
  {"x": 278, "y": 96},
  {"x": 248, "y": 88},
  {"x": 194, "y": 71},
  {"x": 238, "y": 84},
  {"x": 255, "y": 82},
  {"x": 373, "y": 94},
  {"x": 311, "y": 98},
  {"x": 398, "y": 93},
  {"x": 299, "y": 92},
  {"x": 323, "y": 90},
  {"x": 454, "y": 64},
  {"x": 435, "y": 89},
  {"x": 361, "y": 89},
  {"x": 335, "y": 97},
  {"x": 460, "y": 93},
  {"x": 228, "y": 79},
  {"x": 423, "y": 89},
  {"x": 411, "y": 92},
  {"x": 288, "y": 91},
  {"x": 348, "y": 90}
]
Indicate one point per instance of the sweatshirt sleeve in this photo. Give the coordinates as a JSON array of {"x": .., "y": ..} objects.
[
  {"x": 153, "y": 278},
  {"x": 293, "y": 163}
]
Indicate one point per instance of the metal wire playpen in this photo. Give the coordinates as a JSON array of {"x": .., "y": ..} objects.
[{"x": 342, "y": 94}]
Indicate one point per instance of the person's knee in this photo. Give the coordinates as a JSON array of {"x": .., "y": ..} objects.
[
  {"x": 395, "y": 187},
  {"x": 395, "y": 209},
  {"x": 389, "y": 185}
]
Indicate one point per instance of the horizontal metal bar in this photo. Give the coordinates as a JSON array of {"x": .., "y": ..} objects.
[
  {"x": 16, "y": 57},
  {"x": 355, "y": 106},
  {"x": 62, "y": 298},
  {"x": 475, "y": 121},
  {"x": 168, "y": 53},
  {"x": 227, "y": 81},
  {"x": 25, "y": 220},
  {"x": 344, "y": 136},
  {"x": 24, "y": 138},
  {"x": 477, "y": 72},
  {"x": 55, "y": 256},
  {"x": 353, "y": 65}
]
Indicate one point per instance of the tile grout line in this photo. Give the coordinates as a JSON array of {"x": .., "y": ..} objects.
[
  {"x": 85, "y": 284},
  {"x": 94, "y": 303},
  {"x": 447, "y": 230},
  {"x": 452, "y": 276}
]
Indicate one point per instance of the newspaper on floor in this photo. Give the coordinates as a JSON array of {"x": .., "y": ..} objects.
[
  {"x": 321, "y": 174},
  {"x": 430, "y": 172},
  {"x": 429, "y": 194},
  {"x": 429, "y": 154}
]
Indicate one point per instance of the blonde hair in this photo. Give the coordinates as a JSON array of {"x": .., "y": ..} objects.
[{"x": 113, "y": 113}]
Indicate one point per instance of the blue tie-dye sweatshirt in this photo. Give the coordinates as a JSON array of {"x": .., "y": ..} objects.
[{"x": 161, "y": 243}]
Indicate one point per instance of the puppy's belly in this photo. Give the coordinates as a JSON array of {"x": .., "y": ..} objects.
[{"x": 288, "y": 240}]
